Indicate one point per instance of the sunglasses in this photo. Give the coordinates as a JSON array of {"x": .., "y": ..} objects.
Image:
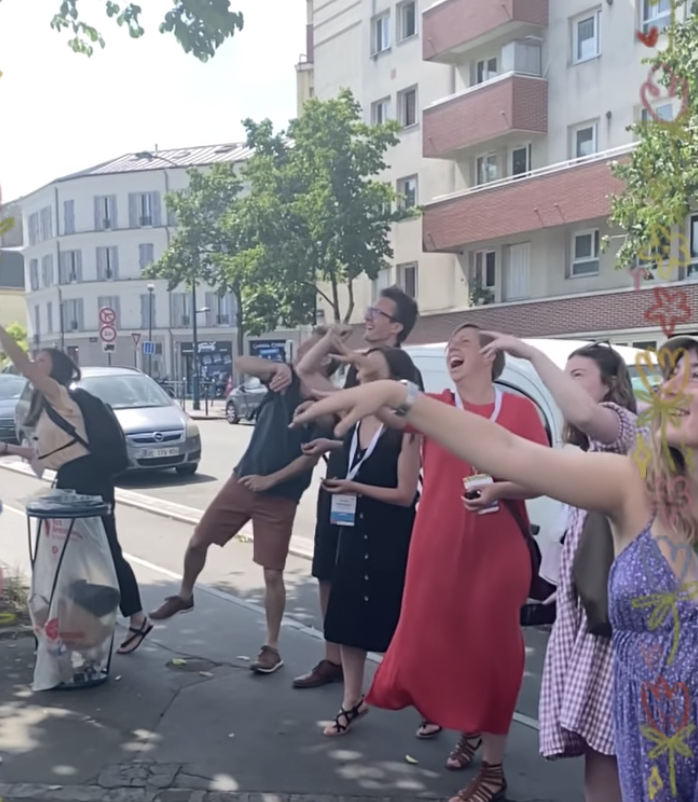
[{"x": 373, "y": 312}]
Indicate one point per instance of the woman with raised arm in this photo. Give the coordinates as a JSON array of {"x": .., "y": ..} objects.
[
  {"x": 595, "y": 396},
  {"x": 653, "y": 511}
]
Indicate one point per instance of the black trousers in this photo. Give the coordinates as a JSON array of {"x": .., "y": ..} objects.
[{"x": 84, "y": 476}]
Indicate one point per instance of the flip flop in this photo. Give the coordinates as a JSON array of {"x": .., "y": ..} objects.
[
  {"x": 137, "y": 636},
  {"x": 425, "y": 734}
]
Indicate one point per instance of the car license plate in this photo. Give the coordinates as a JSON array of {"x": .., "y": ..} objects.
[{"x": 155, "y": 453}]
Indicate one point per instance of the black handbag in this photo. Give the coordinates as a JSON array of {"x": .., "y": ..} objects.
[{"x": 591, "y": 567}]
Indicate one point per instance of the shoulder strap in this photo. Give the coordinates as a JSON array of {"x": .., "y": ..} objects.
[{"x": 65, "y": 426}]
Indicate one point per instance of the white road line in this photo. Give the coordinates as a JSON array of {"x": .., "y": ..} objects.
[{"x": 288, "y": 621}]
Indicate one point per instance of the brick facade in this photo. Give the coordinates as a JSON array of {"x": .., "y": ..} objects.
[
  {"x": 569, "y": 195},
  {"x": 453, "y": 23},
  {"x": 604, "y": 312},
  {"x": 516, "y": 103}
]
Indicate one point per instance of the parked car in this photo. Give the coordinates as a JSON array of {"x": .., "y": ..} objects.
[
  {"x": 10, "y": 390},
  {"x": 244, "y": 400},
  {"x": 159, "y": 434},
  {"x": 520, "y": 378}
]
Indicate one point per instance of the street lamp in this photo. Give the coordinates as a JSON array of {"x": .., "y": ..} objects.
[
  {"x": 151, "y": 290},
  {"x": 195, "y": 385}
]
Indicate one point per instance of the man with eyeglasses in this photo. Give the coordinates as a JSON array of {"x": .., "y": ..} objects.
[{"x": 389, "y": 322}]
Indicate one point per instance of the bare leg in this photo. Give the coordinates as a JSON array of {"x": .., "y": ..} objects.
[
  {"x": 333, "y": 652},
  {"x": 354, "y": 664},
  {"x": 489, "y": 783},
  {"x": 493, "y": 747},
  {"x": 194, "y": 561},
  {"x": 274, "y": 604},
  {"x": 601, "y": 783}
]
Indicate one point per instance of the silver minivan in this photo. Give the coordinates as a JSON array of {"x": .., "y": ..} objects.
[{"x": 159, "y": 434}]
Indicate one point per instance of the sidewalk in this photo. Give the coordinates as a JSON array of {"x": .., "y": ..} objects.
[
  {"x": 216, "y": 409},
  {"x": 207, "y": 730}
]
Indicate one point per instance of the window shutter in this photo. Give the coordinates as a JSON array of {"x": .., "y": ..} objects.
[
  {"x": 144, "y": 311},
  {"x": 69, "y": 216},
  {"x": 80, "y": 313},
  {"x": 114, "y": 254},
  {"x": 100, "y": 264},
  {"x": 133, "y": 221},
  {"x": 99, "y": 222},
  {"x": 116, "y": 306},
  {"x": 78, "y": 265},
  {"x": 113, "y": 211},
  {"x": 211, "y": 301},
  {"x": 61, "y": 268},
  {"x": 157, "y": 208}
]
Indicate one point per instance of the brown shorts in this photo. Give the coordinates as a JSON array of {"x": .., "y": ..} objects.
[{"x": 272, "y": 522}]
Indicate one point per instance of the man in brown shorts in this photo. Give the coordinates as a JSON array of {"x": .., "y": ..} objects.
[{"x": 265, "y": 487}]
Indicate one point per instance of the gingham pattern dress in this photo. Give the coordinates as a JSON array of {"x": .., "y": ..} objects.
[{"x": 575, "y": 701}]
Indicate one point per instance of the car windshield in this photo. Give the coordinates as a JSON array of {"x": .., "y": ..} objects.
[
  {"x": 127, "y": 392},
  {"x": 11, "y": 387},
  {"x": 653, "y": 377}
]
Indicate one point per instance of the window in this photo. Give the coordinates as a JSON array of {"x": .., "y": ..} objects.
[
  {"x": 407, "y": 187},
  {"x": 584, "y": 141},
  {"x": 655, "y": 13},
  {"x": 486, "y": 70},
  {"x": 407, "y": 107},
  {"x": 46, "y": 223},
  {"x": 381, "y": 282},
  {"x": 49, "y": 317},
  {"x": 486, "y": 168},
  {"x": 34, "y": 274},
  {"x": 585, "y": 37},
  {"x": 107, "y": 264},
  {"x": 663, "y": 112},
  {"x": 148, "y": 311},
  {"x": 37, "y": 323},
  {"x": 72, "y": 315},
  {"x": 144, "y": 209},
  {"x": 485, "y": 272},
  {"x": 33, "y": 223},
  {"x": 692, "y": 268},
  {"x": 47, "y": 270},
  {"x": 380, "y": 34},
  {"x": 70, "y": 267},
  {"x": 521, "y": 161},
  {"x": 69, "y": 217},
  {"x": 105, "y": 212},
  {"x": 585, "y": 253},
  {"x": 110, "y": 302},
  {"x": 146, "y": 255},
  {"x": 380, "y": 111},
  {"x": 224, "y": 310},
  {"x": 181, "y": 310},
  {"x": 407, "y": 20},
  {"x": 407, "y": 278}
]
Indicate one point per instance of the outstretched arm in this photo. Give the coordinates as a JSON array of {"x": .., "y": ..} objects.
[{"x": 47, "y": 386}]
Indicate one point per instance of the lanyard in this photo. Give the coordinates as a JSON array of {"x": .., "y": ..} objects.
[
  {"x": 497, "y": 403},
  {"x": 355, "y": 444}
]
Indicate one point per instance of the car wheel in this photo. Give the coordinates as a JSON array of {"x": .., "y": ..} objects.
[
  {"x": 231, "y": 413},
  {"x": 187, "y": 470}
]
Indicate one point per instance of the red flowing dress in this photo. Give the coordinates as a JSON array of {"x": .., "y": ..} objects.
[{"x": 457, "y": 654}]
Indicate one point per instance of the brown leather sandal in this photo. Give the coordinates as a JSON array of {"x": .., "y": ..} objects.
[
  {"x": 488, "y": 785},
  {"x": 464, "y": 751}
]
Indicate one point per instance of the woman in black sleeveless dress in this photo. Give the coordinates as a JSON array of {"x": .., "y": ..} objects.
[{"x": 382, "y": 470}]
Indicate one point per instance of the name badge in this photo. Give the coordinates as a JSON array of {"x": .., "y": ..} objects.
[{"x": 343, "y": 510}]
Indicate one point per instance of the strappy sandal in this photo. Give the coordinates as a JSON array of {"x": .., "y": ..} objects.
[
  {"x": 489, "y": 785},
  {"x": 345, "y": 719},
  {"x": 136, "y": 637},
  {"x": 427, "y": 730},
  {"x": 464, "y": 751}
]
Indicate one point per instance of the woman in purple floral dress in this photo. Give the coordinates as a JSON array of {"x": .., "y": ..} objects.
[{"x": 595, "y": 395}]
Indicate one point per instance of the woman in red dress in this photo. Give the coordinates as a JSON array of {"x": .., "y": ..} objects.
[{"x": 457, "y": 655}]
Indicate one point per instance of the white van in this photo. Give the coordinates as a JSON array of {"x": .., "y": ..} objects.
[{"x": 520, "y": 378}]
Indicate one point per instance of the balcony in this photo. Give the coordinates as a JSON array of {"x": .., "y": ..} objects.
[
  {"x": 451, "y": 27},
  {"x": 558, "y": 195},
  {"x": 508, "y": 104}
]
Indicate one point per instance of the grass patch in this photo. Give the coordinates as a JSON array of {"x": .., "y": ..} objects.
[{"x": 14, "y": 598}]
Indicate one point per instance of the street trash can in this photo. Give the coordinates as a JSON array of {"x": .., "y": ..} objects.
[{"x": 74, "y": 594}]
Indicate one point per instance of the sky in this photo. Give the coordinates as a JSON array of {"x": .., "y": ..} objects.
[{"x": 63, "y": 112}]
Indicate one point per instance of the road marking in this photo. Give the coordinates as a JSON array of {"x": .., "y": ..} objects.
[{"x": 288, "y": 621}]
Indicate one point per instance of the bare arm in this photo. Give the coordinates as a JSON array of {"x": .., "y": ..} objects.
[
  {"x": 47, "y": 386},
  {"x": 309, "y": 368},
  {"x": 513, "y": 490},
  {"x": 298, "y": 466},
  {"x": 26, "y": 452},
  {"x": 263, "y": 369},
  {"x": 407, "y": 477}
]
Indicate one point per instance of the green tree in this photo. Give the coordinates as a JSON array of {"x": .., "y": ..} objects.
[
  {"x": 661, "y": 173},
  {"x": 316, "y": 210},
  {"x": 200, "y": 26}
]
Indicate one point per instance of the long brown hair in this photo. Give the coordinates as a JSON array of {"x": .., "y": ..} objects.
[
  {"x": 666, "y": 463},
  {"x": 614, "y": 375},
  {"x": 63, "y": 370}
]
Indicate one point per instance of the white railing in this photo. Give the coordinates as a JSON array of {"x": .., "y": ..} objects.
[{"x": 551, "y": 169}]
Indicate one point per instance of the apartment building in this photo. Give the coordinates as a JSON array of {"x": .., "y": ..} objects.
[
  {"x": 13, "y": 308},
  {"x": 305, "y": 69},
  {"x": 512, "y": 112},
  {"x": 90, "y": 236}
]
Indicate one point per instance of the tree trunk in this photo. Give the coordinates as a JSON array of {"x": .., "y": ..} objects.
[
  {"x": 239, "y": 323},
  {"x": 337, "y": 316},
  {"x": 350, "y": 308}
]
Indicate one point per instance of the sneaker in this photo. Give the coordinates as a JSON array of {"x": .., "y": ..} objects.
[
  {"x": 267, "y": 662},
  {"x": 324, "y": 673},
  {"x": 171, "y": 606}
]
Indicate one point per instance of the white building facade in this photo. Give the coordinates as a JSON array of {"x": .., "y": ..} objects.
[
  {"x": 88, "y": 237},
  {"x": 512, "y": 112}
]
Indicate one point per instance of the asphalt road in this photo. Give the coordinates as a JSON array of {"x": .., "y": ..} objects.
[{"x": 223, "y": 445}]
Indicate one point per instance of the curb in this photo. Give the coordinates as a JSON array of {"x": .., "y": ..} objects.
[
  {"x": 13, "y": 633},
  {"x": 163, "y": 509}
]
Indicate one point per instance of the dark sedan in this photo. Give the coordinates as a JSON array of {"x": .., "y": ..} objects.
[{"x": 10, "y": 390}]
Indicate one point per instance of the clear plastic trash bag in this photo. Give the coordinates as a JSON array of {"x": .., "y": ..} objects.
[{"x": 74, "y": 600}]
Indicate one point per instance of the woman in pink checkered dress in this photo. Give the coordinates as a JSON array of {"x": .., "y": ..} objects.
[{"x": 596, "y": 398}]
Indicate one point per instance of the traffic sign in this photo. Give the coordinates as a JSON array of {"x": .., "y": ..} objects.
[
  {"x": 148, "y": 348},
  {"x": 107, "y": 316},
  {"x": 136, "y": 337},
  {"x": 107, "y": 334},
  {"x": 108, "y": 348}
]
